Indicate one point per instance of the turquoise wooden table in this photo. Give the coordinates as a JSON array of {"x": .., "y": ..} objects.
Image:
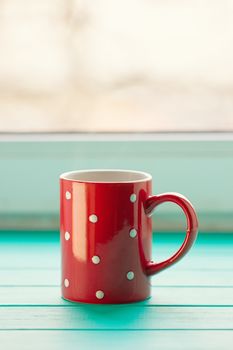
[{"x": 191, "y": 305}]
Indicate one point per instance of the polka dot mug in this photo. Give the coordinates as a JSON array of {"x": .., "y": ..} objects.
[{"x": 106, "y": 235}]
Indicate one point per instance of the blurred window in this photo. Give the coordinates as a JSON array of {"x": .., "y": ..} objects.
[{"x": 106, "y": 65}]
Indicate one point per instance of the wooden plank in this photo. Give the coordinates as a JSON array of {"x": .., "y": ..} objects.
[
  {"x": 24, "y": 255},
  {"x": 29, "y": 277},
  {"x": 125, "y": 340},
  {"x": 193, "y": 278},
  {"x": 170, "y": 277},
  {"x": 39, "y": 252},
  {"x": 118, "y": 317},
  {"x": 170, "y": 296},
  {"x": 23, "y": 259}
]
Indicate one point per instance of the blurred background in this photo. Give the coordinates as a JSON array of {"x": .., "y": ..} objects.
[
  {"x": 105, "y": 65},
  {"x": 125, "y": 67}
]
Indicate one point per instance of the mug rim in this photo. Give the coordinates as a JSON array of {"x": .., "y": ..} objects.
[{"x": 69, "y": 176}]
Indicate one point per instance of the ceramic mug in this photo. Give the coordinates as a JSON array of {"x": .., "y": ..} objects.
[{"x": 106, "y": 235}]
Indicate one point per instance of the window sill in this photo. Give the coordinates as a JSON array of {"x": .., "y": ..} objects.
[{"x": 199, "y": 165}]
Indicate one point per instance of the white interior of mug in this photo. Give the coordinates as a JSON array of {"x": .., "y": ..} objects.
[{"x": 106, "y": 175}]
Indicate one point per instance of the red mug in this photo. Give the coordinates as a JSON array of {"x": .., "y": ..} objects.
[{"x": 106, "y": 235}]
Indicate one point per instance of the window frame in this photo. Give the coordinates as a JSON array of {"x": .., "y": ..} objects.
[{"x": 203, "y": 161}]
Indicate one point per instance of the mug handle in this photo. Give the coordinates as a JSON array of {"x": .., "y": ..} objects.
[{"x": 150, "y": 204}]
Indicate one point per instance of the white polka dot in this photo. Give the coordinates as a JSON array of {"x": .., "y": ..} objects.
[
  {"x": 68, "y": 195},
  {"x": 133, "y": 198},
  {"x": 133, "y": 233},
  {"x": 66, "y": 283},
  {"x": 130, "y": 275},
  {"x": 99, "y": 294},
  {"x": 93, "y": 218},
  {"x": 95, "y": 259},
  {"x": 67, "y": 236}
]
